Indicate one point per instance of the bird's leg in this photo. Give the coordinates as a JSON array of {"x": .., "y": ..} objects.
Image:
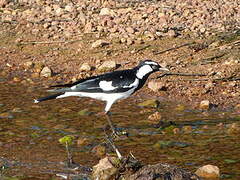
[{"x": 108, "y": 115}]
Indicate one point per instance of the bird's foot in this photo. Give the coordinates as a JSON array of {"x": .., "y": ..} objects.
[
  {"x": 116, "y": 132},
  {"x": 101, "y": 114}
]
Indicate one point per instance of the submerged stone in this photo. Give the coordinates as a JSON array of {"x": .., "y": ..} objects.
[
  {"x": 17, "y": 110},
  {"x": 84, "y": 112},
  {"x": 155, "y": 117},
  {"x": 169, "y": 144},
  {"x": 162, "y": 172},
  {"x": 233, "y": 128},
  {"x": 6, "y": 115},
  {"x": 149, "y": 103},
  {"x": 100, "y": 150}
]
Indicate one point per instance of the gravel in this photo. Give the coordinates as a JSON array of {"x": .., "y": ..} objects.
[{"x": 122, "y": 19}]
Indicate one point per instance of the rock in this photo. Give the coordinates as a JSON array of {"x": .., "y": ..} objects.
[
  {"x": 100, "y": 43},
  {"x": 82, "y": 141},
  {"x": 187, "y": 129},
  {"x": 28, "y": 65},
  {"x": 149, "y": 103},
  {"x": 17, "y": 110},
  {"x": 205, "y": 105},
  {"x": 100, "y": 150},
  {"x": 88, "y": 27},
  {"x": 157, "y": 86},
  {"x": 107, "y": 66},
  {"x": 46, "y": 72},
  {"x": 38, "y": 67},
  {"x": 85, "y": 67},
  {"x": 180, "y": 107},
  {"x": 237, "y": 107},
  {"x": 46, "y": 25},
  {"x": 105, "y": 168},
  {"x": 209, "y": 85},
  {"x": 130, "y": 30},
  {"x": 176, "y": 131},
  {"x": 208, "y": 171},
  {"x": 59, "y": 11},
  {"x": 3, "y": 3},
  {"x": 69, "y": 8},
  {"x": 231, "y": 62},
  {"x": 106, "y": 12},
  {"x": 48, "y": 9},
  {"x": 215, "y": 44},
  {"x": 129, "y": 41},
  {"x": 233, "y": 128},
  {"x": 123, "y": 40},
  {"x": 172, "y": 33},
  {"x": 155, "y": 116},
  {"x": 162, "y": 171},
  {"x": 16, "y": 79},
  {"x": 82, "y": 18}
]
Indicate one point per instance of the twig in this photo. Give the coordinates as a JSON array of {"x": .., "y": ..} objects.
[
  {"x": 47, "y": 42},
  {"x": 231, "y": 78},
  {"x": 209, "y": 59},
  {"x": 170, "y": 49},
  {"x": 142, "y": 48},
  {"x": 10, "y": 22},
  {"x": 231, "y": 43},
  {"x": 179, "y": 74},
  {"x": 69, "y": 155}
]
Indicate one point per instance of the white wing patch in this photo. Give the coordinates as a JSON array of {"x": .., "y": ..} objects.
[
  {"x": 142, "y": 71},
  {"x": 106, "y": 85},
  {"x": 134, "y": 84}
]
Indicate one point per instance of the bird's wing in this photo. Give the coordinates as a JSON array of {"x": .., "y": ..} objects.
[{"x": 117, "y": 81}]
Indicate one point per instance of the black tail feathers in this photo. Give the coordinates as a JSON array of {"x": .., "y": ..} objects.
[{"x": 54, "y": 96}]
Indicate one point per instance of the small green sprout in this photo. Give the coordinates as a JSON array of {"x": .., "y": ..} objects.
[{"x": 66, "y": 140}]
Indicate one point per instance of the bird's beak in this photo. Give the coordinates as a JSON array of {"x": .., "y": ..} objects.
[{"x": 163, "y": 69}]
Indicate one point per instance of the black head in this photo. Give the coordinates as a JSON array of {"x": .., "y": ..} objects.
[
  {"x": 154, "y": 65},
  {"x": 147, "y": 67}
]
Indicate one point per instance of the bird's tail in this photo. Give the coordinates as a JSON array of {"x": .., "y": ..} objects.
[{"x": 54, "y": 96}]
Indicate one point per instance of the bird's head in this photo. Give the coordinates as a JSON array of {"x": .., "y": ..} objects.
[{"x": 147, "y": 67}]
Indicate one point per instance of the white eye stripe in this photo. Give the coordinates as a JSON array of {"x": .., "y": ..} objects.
[{"x": 151, "y": 62}]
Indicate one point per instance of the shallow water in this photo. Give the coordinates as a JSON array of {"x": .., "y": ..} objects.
[{"x": 29, "y": 134}]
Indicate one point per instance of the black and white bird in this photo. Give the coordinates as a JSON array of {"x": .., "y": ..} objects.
[{"x": 109, "y": 87}]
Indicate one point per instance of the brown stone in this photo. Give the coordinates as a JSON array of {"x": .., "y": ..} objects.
[
  {"x": 100, "y": 43},
  {"x": 205, "y": 105},
  {"x": 157, "y": 86},
  {"x": 105, "y": 168},
  {"x": 208, "y": 171},
  {"x": 155, "y": 116}
]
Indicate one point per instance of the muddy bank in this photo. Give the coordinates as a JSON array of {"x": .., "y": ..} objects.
[{"x": 45, "y": 43}]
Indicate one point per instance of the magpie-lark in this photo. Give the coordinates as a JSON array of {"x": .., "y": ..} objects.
[{"x": 108, "y": 87}]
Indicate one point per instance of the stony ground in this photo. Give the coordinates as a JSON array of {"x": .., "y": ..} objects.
[{"x": 48, "y": 42}]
